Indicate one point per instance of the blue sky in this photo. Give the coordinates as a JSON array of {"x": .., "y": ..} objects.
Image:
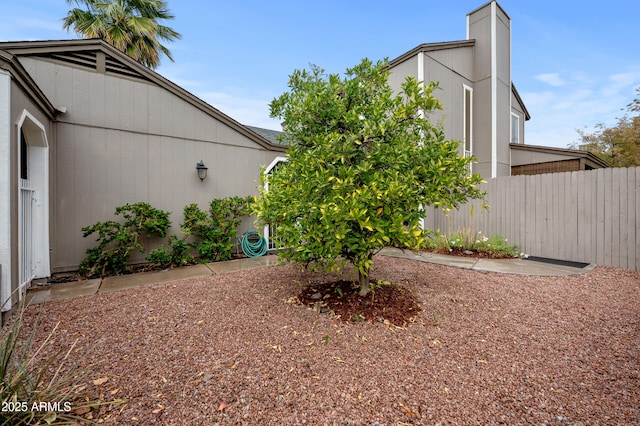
[{"x": 575, "y": 64}]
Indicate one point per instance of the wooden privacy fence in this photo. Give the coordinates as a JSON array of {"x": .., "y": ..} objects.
[{"x": 587, "y": 216}]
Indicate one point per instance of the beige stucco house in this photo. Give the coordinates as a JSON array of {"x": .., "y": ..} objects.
[
  {"x": 84, "y": 129},
  {"x": 481, "y": 106}
]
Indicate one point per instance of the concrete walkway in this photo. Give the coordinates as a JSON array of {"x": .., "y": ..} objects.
[
  {"x": 40, "y": 294},
  {"x": 504, "y": 266}
]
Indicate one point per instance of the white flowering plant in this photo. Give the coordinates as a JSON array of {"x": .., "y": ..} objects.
[{"x": 468, "y": 241}]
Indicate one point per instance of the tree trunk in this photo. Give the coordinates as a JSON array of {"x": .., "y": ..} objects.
[
  {"x": 363, "y": 278},
  {"x": 364, "y": 284}
]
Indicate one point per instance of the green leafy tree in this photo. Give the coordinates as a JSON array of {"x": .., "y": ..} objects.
[
  {"x": 130, "y": 26},
  {"x": 618, "y": 145},
  {"x": 362, "y": 163}
]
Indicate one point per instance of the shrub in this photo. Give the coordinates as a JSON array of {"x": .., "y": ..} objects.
[
  {"x": 117, "y": 240},
  {"x": 178, "y": 255},
  {"x": 213, "y": 231},
  {"x": 495, "y": 246},
  {"x": 466, "y": 239},
  {"x": 160, "y": 257}
]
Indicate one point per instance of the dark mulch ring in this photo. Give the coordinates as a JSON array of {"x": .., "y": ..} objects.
[{"x": 388, "y": 303}]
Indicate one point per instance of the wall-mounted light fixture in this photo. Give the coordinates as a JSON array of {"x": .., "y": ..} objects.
[{"x": 202, "y": 170}]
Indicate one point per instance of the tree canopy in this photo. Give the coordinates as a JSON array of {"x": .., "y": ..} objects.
[
  {"x": 362, "y": 164},
  {"x": 619, "y": 145},
  {"x": 130, "y": 26}
]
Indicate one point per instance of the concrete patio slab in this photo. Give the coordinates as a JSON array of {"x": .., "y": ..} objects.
[
  {"x": 443, "y": 259},
  {"x": 109, "y": 284},
  {"x": 242, "y": 264},
  {"x": 51, "y": 293},
  {"x": 504, "y": 266},
  {"x": 121, "y": 282},
  {"x": 528, "y": 267}
]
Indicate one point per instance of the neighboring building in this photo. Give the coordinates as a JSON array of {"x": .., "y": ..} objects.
[
  {"x": 535, "y": 160},
  {"x": 84, "y": 129},
  {"x": 481, "y": 106}
]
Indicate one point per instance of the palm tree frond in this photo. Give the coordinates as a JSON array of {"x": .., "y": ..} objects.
[{"x": 131, "y": 26}]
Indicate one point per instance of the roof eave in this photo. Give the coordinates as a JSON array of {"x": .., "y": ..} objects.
[
  {"x": 566, "y": 151},
  {"x": 21, "y": 77},
  {"x": 527, "y": 116},
  {"x": 34, "y": 47},
  {"x": 431, "y": 47}
]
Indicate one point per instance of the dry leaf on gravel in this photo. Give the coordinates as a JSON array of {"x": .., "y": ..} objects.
[
  {"x": 485, "y": 348},
  {"x": 100, "y": 381}
]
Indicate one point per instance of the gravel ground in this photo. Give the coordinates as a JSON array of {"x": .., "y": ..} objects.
[{"x": 487, "y": 348}]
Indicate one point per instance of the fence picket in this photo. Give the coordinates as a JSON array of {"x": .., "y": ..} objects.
[
  {"x": 588, "y": 216},
  {"x": 633, "y": 211}
]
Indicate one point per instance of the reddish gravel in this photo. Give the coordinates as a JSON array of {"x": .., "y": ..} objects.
[{"x": 486, "y": 348}]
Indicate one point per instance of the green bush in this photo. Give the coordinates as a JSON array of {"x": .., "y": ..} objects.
[
  {"x": 213, "y": 230},
  {"x": 117, "y": 240},
  {"x": 178, "y": 255},
  {"x": 160, "y": 257},
  {"x": 210, "y": 231}
]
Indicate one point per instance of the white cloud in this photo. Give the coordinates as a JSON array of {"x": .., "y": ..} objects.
[
  {"x": 246, "y": 110},
  {"x": 582, "y": 102},
  {"x": 620, "y": 83},
  {"x": 552, "y": 79},
  {"x": 240, "y": 103}
]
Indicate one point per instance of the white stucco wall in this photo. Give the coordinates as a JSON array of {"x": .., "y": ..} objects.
[{"x": 5, "y": 188}]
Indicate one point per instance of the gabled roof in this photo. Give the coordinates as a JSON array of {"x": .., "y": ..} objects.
[
  {"x": 268, "y": 134},
  {"x": 562, "y": 152},
  {"x": 430, "y": 47},
  {"x": 21, "y": 77},
  {"x": 97, "y": 55},
  {"x": 527, "y": 116}
]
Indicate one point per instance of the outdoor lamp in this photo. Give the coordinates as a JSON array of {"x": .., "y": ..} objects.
[{"x": 202, "y": 170}]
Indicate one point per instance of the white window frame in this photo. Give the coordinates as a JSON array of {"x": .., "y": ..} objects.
[
  {"x": 517, "y": 125},
  {"x": 467, "y": 123}
]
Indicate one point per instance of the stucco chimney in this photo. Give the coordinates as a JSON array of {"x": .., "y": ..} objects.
[{"x": 490, "y": 27}]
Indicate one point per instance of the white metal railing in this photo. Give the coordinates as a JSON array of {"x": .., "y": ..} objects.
[
  {"x": 27, "y": 265},
  {"x": 468, "y": 154}
]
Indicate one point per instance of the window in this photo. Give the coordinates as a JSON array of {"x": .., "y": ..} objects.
[
  {"x": 467, "y": 135},
  {"x": 515, "y": 128},
  {"x": 468, "y": 98},
  {"x": 23, "y": 156}
]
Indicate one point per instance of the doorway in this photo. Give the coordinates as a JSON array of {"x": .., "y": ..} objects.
[{"x": 33, "y": 201}]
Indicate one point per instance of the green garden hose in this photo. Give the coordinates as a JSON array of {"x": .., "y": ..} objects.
[{"x": 255, "y": 248}]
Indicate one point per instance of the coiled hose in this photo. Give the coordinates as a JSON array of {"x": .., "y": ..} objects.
[{"x": 255, "y": 248}]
